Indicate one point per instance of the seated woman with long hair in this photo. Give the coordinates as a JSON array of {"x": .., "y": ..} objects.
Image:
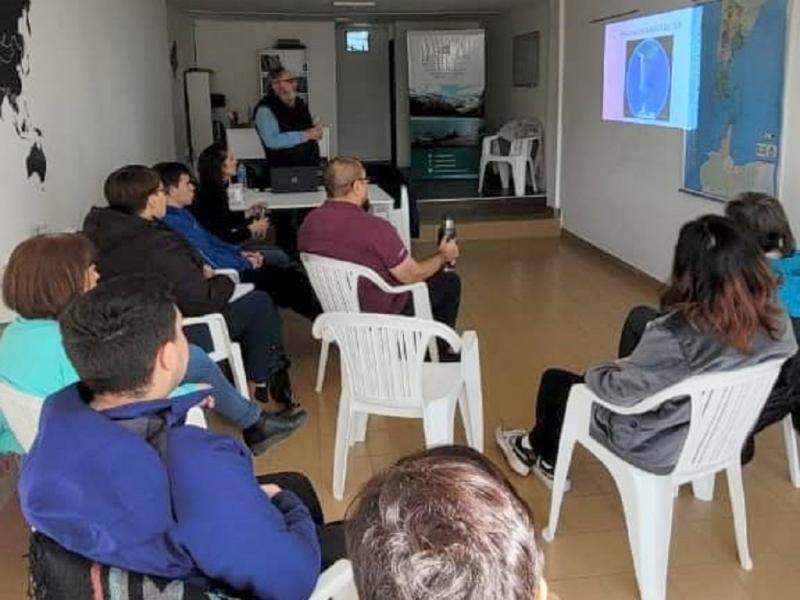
[
  {"x": 43, "y": 276},
  {"x": 719, "y": 313},
  {"x": 282, "y": 278}
]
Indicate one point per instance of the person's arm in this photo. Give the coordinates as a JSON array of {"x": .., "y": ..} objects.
[
  {"x": 656, "y": 363},
  {"x": 233, "y": 530},
  {"x": 413, "y": 271},
  {"x": 270, "y": 132},
  {"x": 195, "y": 295}
]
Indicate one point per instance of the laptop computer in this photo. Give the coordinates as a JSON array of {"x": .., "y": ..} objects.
[{"x": 292, "y": 180}]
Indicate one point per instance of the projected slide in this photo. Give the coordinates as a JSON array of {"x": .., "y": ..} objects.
[{"x": 651, "y": 73}]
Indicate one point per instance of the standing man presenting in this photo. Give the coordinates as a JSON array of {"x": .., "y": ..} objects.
[{"x": 285, "y": 126}]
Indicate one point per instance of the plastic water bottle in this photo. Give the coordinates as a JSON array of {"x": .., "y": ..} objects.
[{"x": 241, "y": 175}]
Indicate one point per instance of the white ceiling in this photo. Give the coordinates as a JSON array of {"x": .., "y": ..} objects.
[{"x": 325, "y": 9}]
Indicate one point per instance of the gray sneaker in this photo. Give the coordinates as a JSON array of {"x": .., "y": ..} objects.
[{"x": 519, "y": 458}]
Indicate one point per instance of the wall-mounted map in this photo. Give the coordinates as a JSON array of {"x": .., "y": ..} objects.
[
  {"x": 14, "y": 27},
  {"x": 736, "y": 146}
]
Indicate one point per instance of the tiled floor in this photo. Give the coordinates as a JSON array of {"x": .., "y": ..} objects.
[{"x": 537, "y": 304}]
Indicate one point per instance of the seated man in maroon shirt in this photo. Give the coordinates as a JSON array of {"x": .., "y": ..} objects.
[{"x": 344, "y": 229}]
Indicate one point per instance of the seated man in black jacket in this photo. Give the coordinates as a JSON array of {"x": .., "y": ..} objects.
[{"x": 130, "y": 238}]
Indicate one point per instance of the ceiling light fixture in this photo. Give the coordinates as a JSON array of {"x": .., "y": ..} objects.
[{"x": 353, "y": 3}]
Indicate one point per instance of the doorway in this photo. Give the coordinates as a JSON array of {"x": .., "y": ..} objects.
[{"x": 364, "y": 91}]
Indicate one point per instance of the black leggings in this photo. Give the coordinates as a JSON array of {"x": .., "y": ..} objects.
[{"x": 331, "y": 535}]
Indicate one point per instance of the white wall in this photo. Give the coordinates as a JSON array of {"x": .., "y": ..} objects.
[
  {"x": 790, "y": 174},
  {"x": 619, "y": 181},
  {"x": 180, "y": 27},
  {"x": 505, "y": 102},
  {"x": 99, "y": 89},
  {"x": 231, "y": 48},
  {"x": 401, "y": 77}
]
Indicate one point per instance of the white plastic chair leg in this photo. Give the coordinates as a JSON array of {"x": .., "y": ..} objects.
[
  {"x": 566, "y": 446},
  {"x": 519, "y": 169},
  {"x": 470, "y": 401},
  {"x": 534, "y": 182},
  {"x": 790, "y": 439},
  {"x": 504, "y": 170},
  {"x": 648, "y": 504},
  {"x": 703, "y": 488},
  {"x": 437, "y": 421},
  {"x": 736, "y": 492},
  {"x": 341, "y": 449},
  {"x": 358, "y": 427},
  {"x": 481, "y": 176},
  {"x": 323, "y": 363}
]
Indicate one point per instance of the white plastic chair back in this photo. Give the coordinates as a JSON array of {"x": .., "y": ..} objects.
[
  {"x": 22, "y": 414},
  {"x": 725, "y": 407},
  {"x": 335, "y": 282},
  {"x": 382, "y": 356},
  {"x": 336, "y": 583}
]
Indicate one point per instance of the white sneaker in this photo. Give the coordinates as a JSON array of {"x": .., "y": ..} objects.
[{"x": 520, "y": 459}]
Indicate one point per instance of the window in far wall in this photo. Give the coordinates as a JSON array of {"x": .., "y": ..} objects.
[
  {"x": 526, "y": 60},
  {"x": 357, "y": 41}
]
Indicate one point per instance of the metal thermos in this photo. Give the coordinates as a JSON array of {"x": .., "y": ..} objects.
[{"x": 447, "y": 231}]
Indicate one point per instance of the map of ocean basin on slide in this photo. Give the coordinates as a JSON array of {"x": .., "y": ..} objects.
[{"x": 736, "y": 145}]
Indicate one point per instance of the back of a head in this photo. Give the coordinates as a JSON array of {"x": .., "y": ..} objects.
[
  {"x": 722, "y": 283},
  {"x": 763, "y": 216},
  {"x": 113, "y": 333},
  {"x": 340, "y": 174},
  {"x": 128, "y": 188},
  {"x": 209, "y": 165},
  {"x": 171, "y": 172},
  {"x": 45, "y": 272},
  {"x": 443, "y": 524}
]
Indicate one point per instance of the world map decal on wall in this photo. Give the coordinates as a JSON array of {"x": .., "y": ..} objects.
[
  {"x": 736, "y": 146},
  {"x": 14, "y": 16}
]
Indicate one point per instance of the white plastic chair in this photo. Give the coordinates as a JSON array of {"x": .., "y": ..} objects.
[
  {"x": 724, "y": 408},
  {"x": 336, "y": 583},
  {"x": 335, "y": 283},
  {"x": 520, "y": 158},
  {"x": 223, "y": 348},
  {"x": 22, "y": 414},
  {"x": 790, "y": 439},
  {"x": 384, "y": 373}
]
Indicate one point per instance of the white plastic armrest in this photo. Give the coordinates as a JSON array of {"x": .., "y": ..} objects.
[
  {"x": 334, "y": 580},
  {"x": 217, "y": 328},
  {"x": 488, "y": 141},
  {"x": 231, "y": 274},
  {"x": 646, "y": 405}
]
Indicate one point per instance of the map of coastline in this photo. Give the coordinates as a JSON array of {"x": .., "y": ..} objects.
[
  {"x": 15, "y": 30},
  {"x": 736, "y": 145}
]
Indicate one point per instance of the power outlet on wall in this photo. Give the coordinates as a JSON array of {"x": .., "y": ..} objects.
[{"x": 39, "y": 228}]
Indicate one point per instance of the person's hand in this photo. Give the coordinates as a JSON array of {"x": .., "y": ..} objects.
[
  {"x": 271, "y": 490},
  {"x": 257, "y": 210},
  {"x": 259, "y": 227},
  {"x": 449, "y": 250},
  {"x": 208, "y": 272},
  {"x": 314, "y": 134},
  {"x": 256, "y": 259}
]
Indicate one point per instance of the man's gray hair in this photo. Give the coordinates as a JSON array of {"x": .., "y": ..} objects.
[{"x": 443, "y": 524}]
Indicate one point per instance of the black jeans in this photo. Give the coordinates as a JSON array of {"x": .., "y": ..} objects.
[
  {"x": 331, "y": 535},
  {"x": 254, "y": 322},
  {"x": 444, "y": 291},
  {"x": 784, "y": 399},
  {"x": 551, "y": 406},
  {"x": 288, "y": 287}
]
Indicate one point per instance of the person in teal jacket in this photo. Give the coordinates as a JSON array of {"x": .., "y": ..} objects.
[{"x": 44, "y": 274}]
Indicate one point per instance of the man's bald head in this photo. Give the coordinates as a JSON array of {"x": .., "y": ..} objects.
[{"x": 342, "y": 176}]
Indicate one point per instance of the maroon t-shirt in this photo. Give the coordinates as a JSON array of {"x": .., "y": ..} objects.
[{"x": 344, "y": 231}]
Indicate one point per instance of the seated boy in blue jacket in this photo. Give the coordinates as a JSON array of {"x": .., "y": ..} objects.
[
  {"x": 116, "y": 476},
  {"x": 267, "y": 267}
]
